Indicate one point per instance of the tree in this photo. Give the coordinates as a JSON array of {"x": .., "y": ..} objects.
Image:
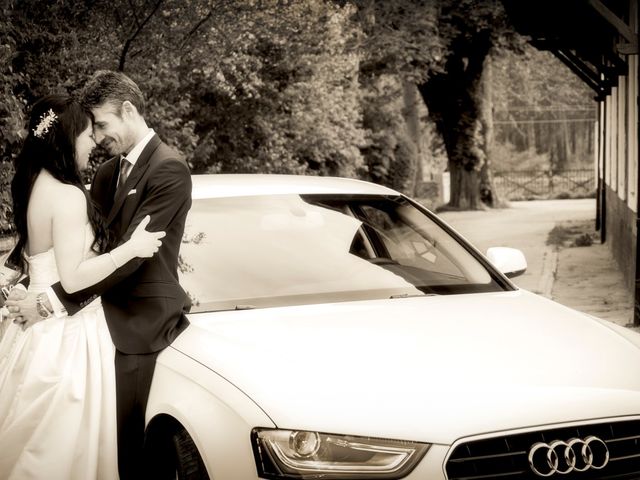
[
  {"x": 442, "y": 47},
  {"x": 49, "y": 47},
  {"x": 400, "y": 47},
  {"x": 275, "y": 86},
  {"x": 542, "y": 108},
  {"x": 457, "y": 97},
  {"x": 11, "y": 117},
  {"x": 277, "y": 91},
  {"x": 238, "y": 86},
  {"x": 60, "y": 44}
]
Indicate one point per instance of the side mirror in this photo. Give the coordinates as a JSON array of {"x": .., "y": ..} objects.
[{"x": 509, "y": 261}]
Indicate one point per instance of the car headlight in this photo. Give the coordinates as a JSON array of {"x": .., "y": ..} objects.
[{"x": 299, "y": 454}]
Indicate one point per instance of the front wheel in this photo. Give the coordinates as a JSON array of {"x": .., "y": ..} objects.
[
  {"x": 188, "y": 462},
  {"x": 172, "y": 454}
]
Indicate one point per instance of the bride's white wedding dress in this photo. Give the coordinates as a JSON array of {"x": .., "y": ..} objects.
[{"x": 57, "y": 393}]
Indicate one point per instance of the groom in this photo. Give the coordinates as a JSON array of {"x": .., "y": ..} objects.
[{"x": 144, "y": 304}]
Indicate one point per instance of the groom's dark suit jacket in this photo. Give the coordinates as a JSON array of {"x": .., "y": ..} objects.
[{"x": 143, "y": 302}]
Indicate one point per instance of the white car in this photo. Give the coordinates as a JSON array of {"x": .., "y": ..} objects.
[{"x": 339, "y": 330}]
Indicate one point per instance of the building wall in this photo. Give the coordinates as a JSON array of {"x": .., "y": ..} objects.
[
  {"x": 622, "y": 235},
  {"x": 634, "y": 133},
  {"x": 617, "y": 160}
]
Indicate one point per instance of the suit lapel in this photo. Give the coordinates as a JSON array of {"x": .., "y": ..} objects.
[
  {"x": 134, "y": 177},
  {"x": 114, "y": 178},
  {"x": 103, "y": 187}
]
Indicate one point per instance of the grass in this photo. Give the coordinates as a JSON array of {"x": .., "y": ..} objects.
[{"x": 580, "y": 233}]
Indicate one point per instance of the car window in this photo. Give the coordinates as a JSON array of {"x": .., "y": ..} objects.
[
  {"x": 275, "y": 250},
  {"x": 405, "y": 245}
]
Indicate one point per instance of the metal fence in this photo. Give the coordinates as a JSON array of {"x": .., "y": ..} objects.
[{"x": 544, "y": 184}]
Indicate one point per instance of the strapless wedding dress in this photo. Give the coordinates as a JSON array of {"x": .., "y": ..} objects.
[{"x": 57, "y": 393}]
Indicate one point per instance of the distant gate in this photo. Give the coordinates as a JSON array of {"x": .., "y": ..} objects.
[{"x": 544, "y": 184}]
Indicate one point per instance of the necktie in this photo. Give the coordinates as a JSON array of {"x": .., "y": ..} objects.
[{"x": 125, "y": 166}]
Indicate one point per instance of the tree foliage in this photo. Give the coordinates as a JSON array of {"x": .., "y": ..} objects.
[
  {"x": 320, "y": 87},
  {"x": 281, "y": 94},
  {"x": 401, "y": 38},
  {"x": 542, "y": 108},
  {"x": 442, "y": 46},
  {"x": 11, "y": 115},
  {"x": 237, "y": 86},
  {"x": 400, "y": 47}
]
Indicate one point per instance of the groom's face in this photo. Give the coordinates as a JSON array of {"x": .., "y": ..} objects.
[{"x": 112, "y": 130}]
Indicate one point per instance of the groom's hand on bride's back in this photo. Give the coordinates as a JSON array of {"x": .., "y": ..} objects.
[{"x": 145, "y": 243}]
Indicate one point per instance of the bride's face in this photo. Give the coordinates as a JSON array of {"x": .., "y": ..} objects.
[{"x": 84, "y": 145}]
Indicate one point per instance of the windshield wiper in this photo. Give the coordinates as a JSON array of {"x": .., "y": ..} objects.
[
  {"x": 411, "y": 295},
  {"x": 244, "y": 307}
]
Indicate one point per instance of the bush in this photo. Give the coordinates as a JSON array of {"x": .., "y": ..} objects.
[
  {"x": 504, "y": 156},
  {"x": 6, "y": 174}
]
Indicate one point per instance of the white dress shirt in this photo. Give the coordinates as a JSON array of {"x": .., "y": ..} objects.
[{"x": 134, "y": 154}]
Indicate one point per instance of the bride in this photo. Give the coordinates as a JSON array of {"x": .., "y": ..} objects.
[{"x": 57, "y": 380}]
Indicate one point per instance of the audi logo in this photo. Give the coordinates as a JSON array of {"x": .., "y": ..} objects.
[{"x": 575, "y": 455}]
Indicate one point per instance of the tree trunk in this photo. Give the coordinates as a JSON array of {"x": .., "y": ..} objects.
[
  {"x": 488, "y": 193},
  {"x": 465, "y": 188},
  {"x": 455, "y": 101},
  {"x": 531, "y": 137},
  {"x": 566, "y": 140},
  {"x": 412, "y": 120}
]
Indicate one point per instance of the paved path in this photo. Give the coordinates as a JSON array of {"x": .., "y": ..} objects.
[
  {"x": 587, "y": 279},
  {"x": 525, "y": 225},
  {"x": 584, "y": 278}
]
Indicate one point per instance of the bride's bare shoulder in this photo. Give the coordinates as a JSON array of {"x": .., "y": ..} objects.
[
  {"x": 59, "y": 194},
  {"x": 69, "y": 195}
]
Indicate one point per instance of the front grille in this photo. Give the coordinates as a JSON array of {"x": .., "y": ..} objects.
[{"x": 507, "y": 457}]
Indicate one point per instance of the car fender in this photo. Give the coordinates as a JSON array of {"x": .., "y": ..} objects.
[{"x": 216, "y": 414}]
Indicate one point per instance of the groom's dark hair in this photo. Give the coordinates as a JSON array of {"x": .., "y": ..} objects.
[{"x": 107, "y": 86}]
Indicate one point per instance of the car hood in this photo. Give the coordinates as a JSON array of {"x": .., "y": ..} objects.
[{"x": 430, "y": 369}]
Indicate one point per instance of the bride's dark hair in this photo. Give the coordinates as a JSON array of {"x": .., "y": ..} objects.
[{"x": 54, "y": 150}]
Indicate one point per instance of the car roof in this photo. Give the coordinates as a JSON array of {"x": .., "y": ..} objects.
[{"x": 239, "y": 185}]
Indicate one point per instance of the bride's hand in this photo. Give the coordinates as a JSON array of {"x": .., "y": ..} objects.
[
  {"x": 22, "y": 308},
  {"x": 144, "y": 243}
]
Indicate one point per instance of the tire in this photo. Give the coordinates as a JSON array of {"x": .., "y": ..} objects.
[
  {"x": 170, "y": 452},
  {"x": 188, "y": 462}
]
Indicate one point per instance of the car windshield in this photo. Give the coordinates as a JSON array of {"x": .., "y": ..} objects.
[{"x": 278, "y": 250}]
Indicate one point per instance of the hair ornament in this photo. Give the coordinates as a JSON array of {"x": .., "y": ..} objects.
[{"x": 46, "y": 121}]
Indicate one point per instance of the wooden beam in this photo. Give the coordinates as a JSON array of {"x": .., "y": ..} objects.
[
  {"x": 622, "y": 28},
  {"x": 627, "y": 48},
  {"x": 582, "y": 70},
  {"x": 630, "y": 48}
]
